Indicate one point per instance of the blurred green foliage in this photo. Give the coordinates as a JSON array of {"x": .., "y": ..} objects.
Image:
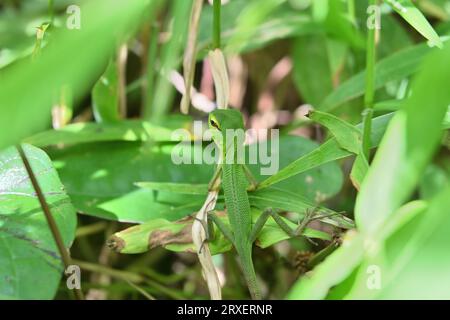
[{"x": 60, "y": 91}]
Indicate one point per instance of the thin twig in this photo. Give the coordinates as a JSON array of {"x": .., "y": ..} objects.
[
  {"x": 122, "y": 58},
  {"x": 88, "y": 230},
  {"x": 140, "y": 290},
  {"x": 128, "y": 276},
  {"x": 48, "y": 215},
  {"x": 370, "y": 86}
]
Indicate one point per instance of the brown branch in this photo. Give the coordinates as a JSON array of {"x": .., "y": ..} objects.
[{"x": 48, "y": 215}]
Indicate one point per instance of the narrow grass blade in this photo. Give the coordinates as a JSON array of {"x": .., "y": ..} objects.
[
  {"x": 327, "y": 152},
  {"x": 409, "y": 143},
  {"x": 408, "y": 11},
  {"x": 395, "y": 67}
]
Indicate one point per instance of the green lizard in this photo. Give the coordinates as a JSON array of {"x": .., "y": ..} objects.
[{"x": 234, "y": 177}]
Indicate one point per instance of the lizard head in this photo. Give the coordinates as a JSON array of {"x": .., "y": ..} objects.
[{"x": 223, "y": 120}]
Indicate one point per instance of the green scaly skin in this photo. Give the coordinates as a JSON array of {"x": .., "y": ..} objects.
[{"x": 234, "y": 184}]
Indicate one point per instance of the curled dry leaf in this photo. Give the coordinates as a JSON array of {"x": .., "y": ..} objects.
[
  {"x": 220, "y": 75},
  {"x": 190, "y": 55},
  {"x": 203, "y": 251}
]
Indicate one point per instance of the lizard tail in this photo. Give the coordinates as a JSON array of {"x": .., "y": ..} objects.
[{"x": 249, "y": 273}]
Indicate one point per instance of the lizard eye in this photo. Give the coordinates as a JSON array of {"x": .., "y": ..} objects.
[{"x": 214, "y": 124}]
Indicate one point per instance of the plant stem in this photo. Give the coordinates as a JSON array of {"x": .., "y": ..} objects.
[
  {"x": 217, "y": 24},
  {"x": 141, "y": 290},
  {"x": 51, "y": 10},
  {"x": 130, "y": 277},
  {"x": 189, "y": 59},
  {"x": 90, "y": 229},
  {"x": 152, "y": 56},
  {"x": 118, "y": 274},
  {"x": 121, "y": 64},
  {"x": 163, "y": 93},
  {"x": 48, "y": 215},
  {"x": 370, "y": 87}
]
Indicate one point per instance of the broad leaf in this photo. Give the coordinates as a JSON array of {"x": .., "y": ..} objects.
[
  {"x": 312, "y": 71},
  {"x": 127, "y": 130},
  {"x": 30, "y": 264},
  {"x": 101, "y": 178},
  {"x": 267, "y": 198}
]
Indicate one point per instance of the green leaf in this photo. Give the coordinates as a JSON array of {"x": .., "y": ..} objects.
[
  {"x": 402, "y": 156},
  {"x": 171, "y": 50},
  {"x": 339, "y": 26},
  {"x": 267, "y": 198},
  {"x": 406, "y": 150},
  {"x": 415, "y": 245},
  {"x": 340, "y": 270},
  {"x": 101, "y": 177},
  {"x": 105, "y": 96},
  {"x": 312, "y": 71},
  {"x": 395, "y": 36},
  {"x": 272, "y": 233},
  {"x": 388, "y": 105},
  {"x": 408, "y": 11},
  {"x": 423, "y": 251},
  {"x": 347, "y": 135},
  {"x": 313, "y": 184},
  {"x": 320, "y": 10},
  {"x": 394, "y": 105},
  {"x": 127, "y": 130},
  {"x": 252, "y": 15},
  {"x": 327, "y": 152},
  {"x": 30, "y": 265},
  {"x": 281, "y": 22},
  {"x": 176, "y": 236},
  {"x": 359, "y": 170},
  {"x": 433, "y": 181},
  {"x": 294, "y": 202},
  {"x": 359, "y": 277},
  {"x": 336, "y": 268},
  {"x": 60, "y": 66},
  {"x": 395, "y": 67}
]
